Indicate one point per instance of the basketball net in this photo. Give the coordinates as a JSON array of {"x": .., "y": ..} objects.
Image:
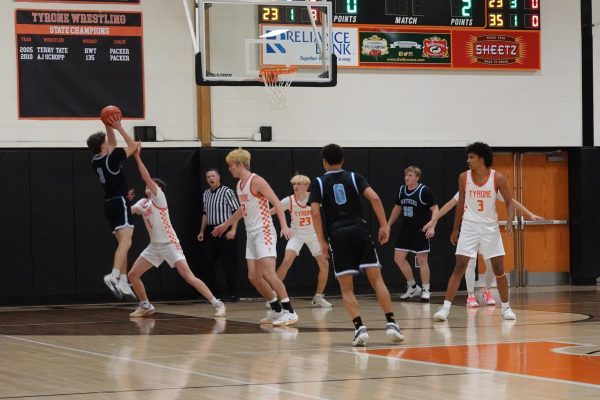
[{"x": 276, "y": 88}]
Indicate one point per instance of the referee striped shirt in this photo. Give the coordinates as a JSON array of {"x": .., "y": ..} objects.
[{"x": 219, "y": 204}]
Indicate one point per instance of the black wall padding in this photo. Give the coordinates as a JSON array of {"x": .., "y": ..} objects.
[
  {"x": 52, "y": 228},
  {"x": 584, "y": 191},
  {"x": 387, "y": 175},
  {"x": 15, "y": 230}
]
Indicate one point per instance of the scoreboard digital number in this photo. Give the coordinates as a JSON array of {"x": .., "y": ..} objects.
[{"x": 485, "y": 14}]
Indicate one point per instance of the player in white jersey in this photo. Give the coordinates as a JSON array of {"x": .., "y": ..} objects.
[
  {"x": 303, "y": 234},
  {"x": 486, "y": 295},
  {"x": 477, "y": 219},
  {"x": 164, "y": 245},
  {"x": 255, "y": 194}
]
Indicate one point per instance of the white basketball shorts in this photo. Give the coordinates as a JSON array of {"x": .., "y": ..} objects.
[
  {"x": 261, "y": 244},
  {"x": 156, "y": 253},
  {"x": 297, "y": 241},
  {"x": 482, "y": 238}
]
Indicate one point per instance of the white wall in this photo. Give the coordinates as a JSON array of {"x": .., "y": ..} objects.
[
  {"x": 428, "y": 108},
  {"x": 367, "y": 108},
  {"x": 168, "y": 70}
]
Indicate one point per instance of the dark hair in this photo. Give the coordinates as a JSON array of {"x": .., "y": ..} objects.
[
  {"x": 95, "y": 142},
  {"x": 333, "y": 154},
  {"x": 212, "y": 169},
  {"x": 161, "y": 184},
  {"x": 482, "y": 150}
]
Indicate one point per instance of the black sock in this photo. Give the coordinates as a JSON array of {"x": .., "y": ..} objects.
[
  {"x": 357, "y": 322},
  {"x": 390, "y": 317},
  {"x": 276, "y": 306},
  {"x": 287, "y": 305}
]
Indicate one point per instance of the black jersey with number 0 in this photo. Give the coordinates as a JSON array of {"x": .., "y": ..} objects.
[
  {"x": 109, "y": 171},
  {"x": 339, "y": 194},
  {"x": 416, "y": 206}
]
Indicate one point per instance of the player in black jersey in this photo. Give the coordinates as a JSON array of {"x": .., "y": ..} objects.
[
  {"x": 352, "y": 249},
  {"x": 107, "y": 164},
  {"x": 416, "y": 206}
]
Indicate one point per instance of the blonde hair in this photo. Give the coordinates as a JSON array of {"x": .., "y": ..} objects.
[
  {"x": 414, "y": 170},
  {"x": 239, "y": 156},
  {"x": 300, "y": 179}
]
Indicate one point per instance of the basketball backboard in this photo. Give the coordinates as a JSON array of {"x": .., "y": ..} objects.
[{"x": 238, "y": 38}]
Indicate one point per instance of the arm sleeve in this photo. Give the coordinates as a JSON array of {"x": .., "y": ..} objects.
[
  {"x": 285, "y": 203},
  {"x": 159, "y": 199},
  {"x": 115, "y": 158},
  {"x": 361, "y": 183},
  {"x": 232, "y": 200},
  {"x": 427, "y": 197},
  {"x": 315, "y": 192}
]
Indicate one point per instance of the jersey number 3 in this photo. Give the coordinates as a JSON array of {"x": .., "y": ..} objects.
[{"x": 479, "y": 205}]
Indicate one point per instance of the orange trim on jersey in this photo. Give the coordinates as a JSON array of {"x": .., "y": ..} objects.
[
  {"x": 298, "y": 204},
  {"x": 486, "y": 181},
  {"x": 242, "y": 184},
  {"x": 258, "y": 196}
]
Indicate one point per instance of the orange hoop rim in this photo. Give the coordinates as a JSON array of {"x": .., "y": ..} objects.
[{"x": 271, "y": 74}]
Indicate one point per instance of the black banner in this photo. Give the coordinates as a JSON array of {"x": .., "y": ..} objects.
[{"x": 73, "y": 63}]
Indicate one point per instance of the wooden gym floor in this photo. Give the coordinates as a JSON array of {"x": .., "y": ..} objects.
[{"x": 93, "y": 352}]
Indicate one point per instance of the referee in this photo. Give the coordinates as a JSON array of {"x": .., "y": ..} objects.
[{"x": 219, "y": 203}]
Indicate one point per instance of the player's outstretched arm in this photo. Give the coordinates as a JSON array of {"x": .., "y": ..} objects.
[
  {"x": 143, "y": 170},
  {"x": 527, "y": 212},
  {"x": 131, "y": 144},
  {"x": 384, "y": 227}
]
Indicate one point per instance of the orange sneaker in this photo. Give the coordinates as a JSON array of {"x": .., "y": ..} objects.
[{"x": 488, "y": 298}]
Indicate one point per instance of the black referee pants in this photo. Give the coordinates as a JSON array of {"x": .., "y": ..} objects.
[{"x": 226, "y": 250}]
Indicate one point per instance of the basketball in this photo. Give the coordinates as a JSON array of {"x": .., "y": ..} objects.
[{"x": 109, "y": 111}]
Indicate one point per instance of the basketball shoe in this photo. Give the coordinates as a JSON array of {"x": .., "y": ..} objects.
[
  {"x": 488, "y": 298},
  {"x": 319, "y": 301},
  {"x": 143, "y": 311},
  {"x": 392, "y": 330},
  {"x": 125, "y": 289},
  {"x": 472, "y": 302},
  {"x": 112, "y": 285},
  {"x": 287, "y": 318},
  {"x": 220, "y": 309},
  {"x": 360, "y": 337},
  {"x": 411, "y": 291}
]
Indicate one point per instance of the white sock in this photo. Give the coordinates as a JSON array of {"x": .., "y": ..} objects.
[
  {"x": 411, "y": 283},
  {"x": 214, "y": 301},
  {"x": 123, "y": 278},
  {"x": 273, "y": 300},
  {"x": 489, "y": 275},
  {"x": 470, "y": 276},
  {"x": 447, "y": 304},
  {"x": 115, "y": 273},
  {"x": 286, "y": 300},
  {"x": 426, "y": 286},
  {"x": 145, "y": 304},
  {"x": 505, "y": 306}
]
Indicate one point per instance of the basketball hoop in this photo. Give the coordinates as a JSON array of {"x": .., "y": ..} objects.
[{"x": 276, "y": 88}]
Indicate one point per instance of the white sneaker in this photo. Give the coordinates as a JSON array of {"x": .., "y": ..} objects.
[
  {"x": 287, "y": 318},
  {"x": 220, "y": 309},
  {"x": 360, "y": 337},
  {"x": 319, "y": 301},
  {"x": 425, "y": 295},
  {"x": 508, "y": 314},
  {"x": 143, "y": 311},
  {"x": 441, "y": 314},
  {"x": 112, "y": 285},
  {"x": 392, "y": 330},
  {"x": 411, "y": 292},
  {"x": 271, "y": 316},
  {"x": 125, "y": 289},
  {"x": 267, "y": 305}
]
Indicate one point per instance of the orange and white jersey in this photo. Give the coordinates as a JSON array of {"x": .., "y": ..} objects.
[
  {"x": 257, "y": 215},
  {"x": 480, "y": 200},
  {"x": 300, "y": 211},
  {"x": 156, "y": 217}
]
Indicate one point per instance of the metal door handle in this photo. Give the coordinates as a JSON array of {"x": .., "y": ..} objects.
[{"x": 546, "y": 222}]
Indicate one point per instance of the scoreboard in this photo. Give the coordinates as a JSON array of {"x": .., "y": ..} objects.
[
  {"x": 461, "y": 34},
  {"x": 489, "y": 14}
]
